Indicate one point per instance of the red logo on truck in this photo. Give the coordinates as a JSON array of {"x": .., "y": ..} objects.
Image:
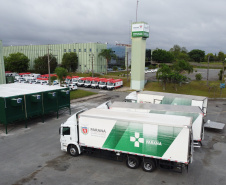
[{"x": 85, "y": 130}]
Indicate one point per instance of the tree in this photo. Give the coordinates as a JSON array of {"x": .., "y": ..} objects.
[
  {"x": 53, "y": 78},
  {"x": 211, "y": 57},
  {"x": 61, "y": 73},
  {"x": 70, "y": 61},
  {"x": 41, "y": 64},
  {"x": 162, "y": 56},
  {"x": 221, "y": 56},
  {"x": 163, "y": 74},
  {"x": 108, "y": 54},
  {"x": 197, "y": 55},
  {"x": 176, "y": 78},
  {"x": 17, "y": 62},
  {"x": 179, "y": 53},
  {"x": 176, "y": 50},
  {"x": 182, "y": 65},
  {"x": 184, "y": 50}
]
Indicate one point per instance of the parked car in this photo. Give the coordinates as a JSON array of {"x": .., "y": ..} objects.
[{"x": 72, "y": 87}]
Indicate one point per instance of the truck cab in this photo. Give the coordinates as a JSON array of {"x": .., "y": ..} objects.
[
  {"x": 81, "y": 82},
  {"x": 115, "y": 83},
  {"x": 131, "y": 97},
  {"x": 69, "y": 137},
  {"x": 103, "y": 83},
  {"x": 88, "y": 82}
]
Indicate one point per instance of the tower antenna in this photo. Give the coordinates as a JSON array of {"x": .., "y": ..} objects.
[{"x": 137, "y": 10}]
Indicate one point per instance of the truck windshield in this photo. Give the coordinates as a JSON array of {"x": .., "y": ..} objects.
[
  {"x": 111, "y": 84},
  {"x": 102, "y": 83},
  {"x": 94, "y": 82},
  {"x": 81, "y": 81},
  {"x": 87, "y": 82},
  {"x": 66, "y": 131}
]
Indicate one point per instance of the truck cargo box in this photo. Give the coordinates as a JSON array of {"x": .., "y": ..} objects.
[
  {"x": 189, "y": 111},
  {"x": 151, "y": 135}
]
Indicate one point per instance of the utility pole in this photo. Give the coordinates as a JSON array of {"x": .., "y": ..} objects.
[
  {"x": 207, "y": 83},
  {"x": 223, "y": 70},
  {"x": 127, "y": 66},
  {"x": 91, "y": 54},
  {"x": 49, "y": 66}
]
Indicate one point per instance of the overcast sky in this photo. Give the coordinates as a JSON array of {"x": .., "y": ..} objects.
[{"x": 194, "y": 24}]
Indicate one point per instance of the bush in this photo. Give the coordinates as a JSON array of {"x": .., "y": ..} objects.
[
  {"x": 198, "y": 77},
  {"x": 94, "y": 74},
  {"x": 115, "y": 68}
]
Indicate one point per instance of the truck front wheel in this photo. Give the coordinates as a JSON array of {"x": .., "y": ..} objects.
[
  {"x": 73, "y": 150},
  {"x": 148, "y": 165},
  {"x": 133, "y": 162}
]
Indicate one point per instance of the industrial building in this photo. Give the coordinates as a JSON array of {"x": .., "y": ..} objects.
[{"x": 87, "y": 54}]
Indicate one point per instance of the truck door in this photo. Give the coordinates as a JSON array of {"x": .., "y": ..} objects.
[
  {"x": 197, "y": 103},
  {"x": 66, "y": 134}
]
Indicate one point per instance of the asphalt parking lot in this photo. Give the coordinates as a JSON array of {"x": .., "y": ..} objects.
[{"x": 32, "y": 155}]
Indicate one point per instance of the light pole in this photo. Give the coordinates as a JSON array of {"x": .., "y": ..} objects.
[
  {"x": 48, "y": 66},
  {"x": 208, "y": 71}
]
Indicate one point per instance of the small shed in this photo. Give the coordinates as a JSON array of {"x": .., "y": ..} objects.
[{"x": 25, "y": 101}]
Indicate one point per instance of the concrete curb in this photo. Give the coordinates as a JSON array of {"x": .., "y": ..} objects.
[{"x": 87, "y": 98}]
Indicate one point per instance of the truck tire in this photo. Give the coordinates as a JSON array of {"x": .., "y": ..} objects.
[
  {"x": 132, "y": 162},
  {"x": 73, "y": 150},
  {"x": 148, "y": 165}
]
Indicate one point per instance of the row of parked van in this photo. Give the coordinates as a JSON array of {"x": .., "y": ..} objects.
[{"x": 101, "y": 83}]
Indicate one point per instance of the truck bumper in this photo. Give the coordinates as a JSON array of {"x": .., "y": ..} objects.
[{"x": 63, "y": 147}]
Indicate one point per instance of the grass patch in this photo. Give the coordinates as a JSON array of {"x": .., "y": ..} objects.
[
  {"x": 80, "y": 94},
  {"x": 198, "y": 88},
  {"x": 212, "y": 63},
  {"x": 206, "y": 67}
]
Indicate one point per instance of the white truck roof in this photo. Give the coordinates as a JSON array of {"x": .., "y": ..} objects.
[
  {"x": 148, "y": 118},
  {"x": 173, "y": 95},
  {"x": 158, "y": 107}
]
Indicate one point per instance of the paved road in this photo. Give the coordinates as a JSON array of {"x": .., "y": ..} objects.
[{"x": 33, "y": 155}]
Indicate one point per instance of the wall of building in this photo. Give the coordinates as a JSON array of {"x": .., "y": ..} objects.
[
  {"x": 86, "y": 52},
  {"x": 2, "y": 67}
]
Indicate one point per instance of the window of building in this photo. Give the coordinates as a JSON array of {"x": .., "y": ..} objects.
[
  {"x": 79, "y": 50},
  {"x": 74, "y": 50},
  {"x": 84, "y": 50},
  {"x": 90, "y": 49},
  {"x": 65, "y": 50},
  {"x": 69, "y": 50}
]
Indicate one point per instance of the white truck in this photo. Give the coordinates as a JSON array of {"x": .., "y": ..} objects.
[
  {"x": 151, "y": 140},
  {"x": 168, "y": 98},
  {"x": 189, "y": 111}
]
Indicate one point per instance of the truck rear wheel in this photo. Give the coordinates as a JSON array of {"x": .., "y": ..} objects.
[
  {"x": 73, "y": 150},
  {"x": 148, "y": 165},
  {"x": 133, "y": 162}
]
